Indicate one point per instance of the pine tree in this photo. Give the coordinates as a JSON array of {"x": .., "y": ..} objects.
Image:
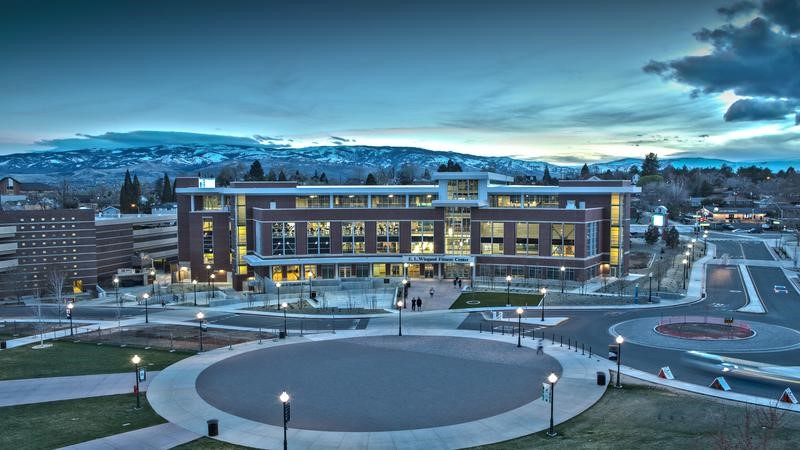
[
  {"x": 256, "y": 172},
  {"x": 547, "y": 180},
  {"x": 166, "y": 190},
  {"x": 371, "y": 179},
  {"x": 136, "y": 193},
  {"x": 272, "y": 176},
  {"x": 323, "y": 178},
  {"x": 650, "y": 165},
  {"x": 281, "y": 176},
  {"x": 651, "y": 235},
  {"x": 585, "y": 174},
  {"x": 426, "y": 175},
  {"x": 125, "y": 193}
]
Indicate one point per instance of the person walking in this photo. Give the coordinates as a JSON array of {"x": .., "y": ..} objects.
[
  {"x": 459, "y": 283},
  {"x": 540, "y": 347},
  {"x": 419, "y": 304},
  {"x": 413, "y": 304},
  {"x": 455, "y": 280},
  {"x": 431, "y": 292}
]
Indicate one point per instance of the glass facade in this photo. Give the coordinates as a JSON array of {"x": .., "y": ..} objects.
[
  {"x": 462, "y": 189},
  {"x": 592, "y": 243},
  {"x": 421, "y": 236},
  {"x": 208, "y": 240},
  {"x": 387, "y": 236},
  {"x": 353, "y": 237},
  {"x": 457, "y": 231},
  {"x": 284, "y": 238},
  {"x": 421, "y": 201},
  {"x": 389, "y": 201},
  {"x": 350, "y": 201},
  {"x": 504, "y": 201},
  {"x": 541, "y": 201},
  {"x": 492, "y": 238},
  {"x": 527, "y": 239},
  {"x": 563, "y": 240},
  {"x": 318, "y": 235},
  {"x": 313, "y": 201},
  {"x": 616, "y": 243}
]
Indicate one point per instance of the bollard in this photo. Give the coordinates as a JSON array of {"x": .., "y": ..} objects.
[
  {"x": 590, "y": 351},
  {"x": 230, "y": 342},
  {"x": 301, "y": 328},
  {"x": 492, "y": 327},
  {"x": 582, "y": 349},
  {"x": 568, "y": 344},
  {"x": 480, "y": 327},
  {"x": 576, "y": 346},
  {"x": 503, "y": 330},
  {"x": 553, "y": 339},
  {"x": 260, "y": 336},
  {"x": 560, "y": 341}
]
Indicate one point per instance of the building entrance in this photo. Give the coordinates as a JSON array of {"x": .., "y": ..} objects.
[
  {"x": 421, "y": 271},
  {"x": 452, "y": 270}
]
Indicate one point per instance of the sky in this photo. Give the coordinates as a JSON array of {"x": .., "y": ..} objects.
[{"x": 562, "y": 81}]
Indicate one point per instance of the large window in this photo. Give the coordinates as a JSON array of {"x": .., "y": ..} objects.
[
  {"x": 208, "y": 240},
  {"x": 492, "y": 238},
  {"x": 353, "y": 237},
  {"x": 527, "y": 239},
  {"x": 457, "y": 231},
  {"x": 389, "y": 201},
  {"x": 421, "y": 201},
  {"x": 211, "y": 202},
  {"x": 283, "y": 238},
  {"x": 421, "y": 236},
  {"x": 313, "y": 201},
  {"x": 349, "y": 201},
  {"x": 504, "y": 201},
  {"x": 388, "y": 236},
  {"x": 563, "y": 240},
  {"x": 592, "y": 246},
  {"x": 616, "y": 250},
  {"x": 462, "y": 189},
  {"x": 541, "y": 201},
  {"x": 319, "y": 237}
]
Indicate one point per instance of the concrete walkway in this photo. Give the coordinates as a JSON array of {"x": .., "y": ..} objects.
[
  {"x": 173, "y": 395},
  {"x": 158, "y": 437},
  {"x": 38, "y": 390}
]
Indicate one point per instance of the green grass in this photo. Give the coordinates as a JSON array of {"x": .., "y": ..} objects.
[
  {"x": 68, "y": 358},
  {"x": 648, "y": 417},
  {"x": 493, "y": 299},
  {"x": 57, "y": 424},
  {"x": 205, "y": 443}
]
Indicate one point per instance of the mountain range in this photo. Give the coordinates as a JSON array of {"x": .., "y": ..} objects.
[{"x": 340, "y": 163}]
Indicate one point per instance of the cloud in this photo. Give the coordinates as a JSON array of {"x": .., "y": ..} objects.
[
  {"x": 760, "y": 148},
  {"x": 757, "y": 59},
  {"x": 142, "y": 139},
  {"x": 741, "y": 7},
  {"x": 752, "y": 109},
  {"x": 785, "y": 13}
]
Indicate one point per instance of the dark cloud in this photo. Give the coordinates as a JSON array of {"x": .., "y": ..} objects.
[
  {"x": 142, "y": 139},
  {"x": 785, "y": 13},
  {"x": 752, "y": 109},
  {"x": 742, "y": 7},
  {"x": 340, "y": 140},
  {"x": 753, "y": 60}
]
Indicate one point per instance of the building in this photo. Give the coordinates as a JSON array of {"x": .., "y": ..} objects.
[
  {"x": 84, "y": 248},
  {"x": 465, "y": 224}
]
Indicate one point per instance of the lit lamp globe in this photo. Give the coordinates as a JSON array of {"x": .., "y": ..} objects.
[
  {"x": 399, "y": 303},
  {"x": 508, "y": 278},
  {"x": 284, "y": 305},
  {"x": 278, "y": 285},
  {"x": 544, "y": 291},
  {"x": 619, "y": 339},
  {"x": 136, "y": 359},
  {"x": 200, "y": 315},
  {"x": 552, "y": 378},
  {"x": 284, "y": 397},
  {"x": 520, "y": 311}
]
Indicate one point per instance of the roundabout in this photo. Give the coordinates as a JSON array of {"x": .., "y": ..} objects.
[{"x": 443, "y": 389}]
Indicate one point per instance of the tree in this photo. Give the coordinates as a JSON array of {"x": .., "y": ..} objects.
[
  {"x": 323, "y": 178},
  {"x": 166, "y": 190},
  {"x": 272, "y": 176},
  {"x": 426, "y": 175},
  {"x": 256, "y": 172},
  {"x": 406, "y": 174},
  {"x": 671, "y": 237},
  {"x": 450, "y": 166},
  {"x": 650, "y": 164},
  {"x": 651, "y": 235},
  {"x": 225, "y": 176},
  {"x": 370, "y": 179},
  {"x": 547, "y": 180},
  {"x": 126, "y": 194},
  {"x": 281, "y": 176},
  {"x": 64, "y": 195},
  {"x": 137, "y": 192},
  {"x": 585, "y": 174},
  {"x": 55, "y": 279}
]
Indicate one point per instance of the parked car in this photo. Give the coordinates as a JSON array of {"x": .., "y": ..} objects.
[
  {"x": 727, "y": 226},
  {"x": 756, "y": 230},
  {"x": 780, "y": 289}
]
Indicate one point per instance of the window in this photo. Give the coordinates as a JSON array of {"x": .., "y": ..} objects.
[
  {"x": 617, "y": 209},
  {"x": 462, "y": 189},
  {"x": 527, "y": 239},
  {"x": 563, "y": 240},
  {"x": 389, "y": 201},
  {"x": 283, "y": 238},
  {"x": 421, "y": 201},
  {"x": 592, "y": 246},
  {"x": 504, "y": 201},
  {"x": 349, "y": 201},
  {"x": 421, "y": 236},
  {"x": 208, "y": 240},
  {"x": 210, "y": 202},
  {"x": 492, "y": 238},
  {"x": 541, "y": 201},
  {"x": 457, "y": 231},
  {"x": 313, "y": 201},
  {"x": 319, "y": 237},
  {"x": 388, "y": 236},
  {"x": 353, "y": 237}
]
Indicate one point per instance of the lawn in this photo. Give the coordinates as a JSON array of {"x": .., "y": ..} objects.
[
  {"x": 68, "y": 358},
  {"x": 493, "y": 299},
  {"x": 57, "y": 424},
  {"x": 205, "y": 443},
  {"x": 650, "y": 417}
]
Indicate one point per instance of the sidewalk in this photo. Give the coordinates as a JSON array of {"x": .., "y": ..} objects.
[
  {"x": 38, "y": 390},
  {"x": 157, "y": 437}
]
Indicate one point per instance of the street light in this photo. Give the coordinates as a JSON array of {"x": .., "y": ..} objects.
[
  {"x": 146, "y": 298},
  {"x": 400, "y": 317},
  {"x": 284, "y": 397},
  {"x": 552, "y": 378},
  {"x": 619, "y": 341},
  {"x": 116, "y": 289},
  {"x": 563, "y": 271},
  {"x": 136, "y": 360},
  {"x": 508, "y": 290},
  {"x": 194, "y": 286},
  {"x": 70, "y": 305},
  {"x": 705, "y": 242},
  {"x": 544, "y": 293},
  {"x": 200, "y": 317},
  {"x": 519, "y": 326},
  {"x": 685, "y": 270},
  {"x": 212, "y": 284},
  {"x": 650, "y": 288},
  {"x": 405, "y": 270},
  {"x": 278, "y": 287},
  {"x": 153, "y": 284},
  {"x": 405, "y": 290},
  {"x": 472, "y": 275},
  {"x": 691, "y": 250},
  {"x": 208, "y": 275},
  {"x": 284, "y": 305}
]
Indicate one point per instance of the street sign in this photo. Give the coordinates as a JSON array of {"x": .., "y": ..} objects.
[
  {"x": 142, "y": 374},
  {"x": 666, "y": 373},
  {"x": 547, "y": 393},
  {"x": 788, "y": 397}
]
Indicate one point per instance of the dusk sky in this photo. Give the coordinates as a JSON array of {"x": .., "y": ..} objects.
[{"x": 560, "y": 81}]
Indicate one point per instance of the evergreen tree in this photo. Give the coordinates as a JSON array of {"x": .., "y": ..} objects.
[
  {"x": 125, "y": 193},
  {"x": 585, "y": 174},
  {"x": 651, "y": 235},
  {"x": 281, "y": 176},
  {"x": 650, "y": 165},
  {"x": 547, "y": 180},
  {"x": 426, "y": 175},
  {"x": 371, "y": 179},
  {"x": 137, "y": 193},
  {"x": 671, "y": 237},
  {"x": 166, "y": 190},
  {"x": 256, "y": 172},
  {"x": 272, "y": 176},
  {"x": 323, "y": 178}
]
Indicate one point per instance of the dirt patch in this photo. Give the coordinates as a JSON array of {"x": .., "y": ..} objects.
[
  {"x": 172, "y": 337},
  {"x": 705, "y": 331}
]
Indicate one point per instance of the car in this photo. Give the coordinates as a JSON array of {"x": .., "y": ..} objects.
[
  {"x": 780, "y": 289},
  {"x": 756, "y": 230},
  {"x": 727, "y": 226}
]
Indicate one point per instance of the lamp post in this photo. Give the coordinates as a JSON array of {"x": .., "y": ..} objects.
[
  {"x": 472, "y": 276},
  {"x": 563, "y": 271},
  {"x": 212, "y": 284},
  {"x": 405, "y": 290},
  {"x": 705, "y": 242},
  {"x": 400, "y": 304},
  {"x": 508, "y": 290},
  {"x": 70, "y": 305},
  {"x": 519, "y": 326},
  {"x": 136, "y": 360},
  {"x": 146, "y": 298},
  {"x": 619, "y": 341},
  {"x": 691, "y": 251},
  {"x": 284, "y": 397},
  {"x": 200, "y": 317},
  {"x": 685, "y": 269},
  {"x": 153, "y": 283},
  {"x": 208, "y": 275},
  {"x": 194, "y": 286},
  {"x": 278, "y": 287},
  {"x": 284, "y": 306},
  {"x": 552, "y": 378},
  {"x": 650, "y": 288},
  {"x": 544, "y": 294},
  {"x": 405, "y": 270},
  {"x": 116, "y": 290}
]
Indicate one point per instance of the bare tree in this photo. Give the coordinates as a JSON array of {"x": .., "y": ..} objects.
[{"x": 55, "y": 279}]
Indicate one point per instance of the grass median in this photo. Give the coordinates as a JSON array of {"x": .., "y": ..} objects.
[
  {"x": 57, "y": 424},
  {"x": 494, "y": 299},
  {"x": 644, "y": 416},
  {"x": 205, "y": 443},
  {"x": 68, "y": 358}
]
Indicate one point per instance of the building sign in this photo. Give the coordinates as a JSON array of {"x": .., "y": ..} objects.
[
  {"x": 438, "y": 259},
  {"x": 658, "y": 220},
  {"x": 207, "y": 183},
  {"x": 547, "y": 393}
]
